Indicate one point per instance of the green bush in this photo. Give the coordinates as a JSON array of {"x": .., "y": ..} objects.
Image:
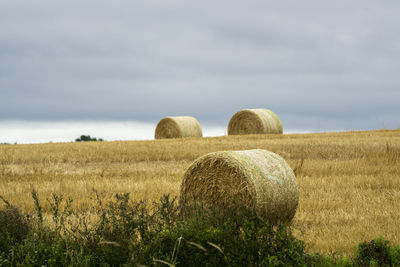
[
  {"x": 377, "y": 252},
  {"x": 126, "y": 233},
  {"x": 87, "y": 138},
  {"x": 45, "y": 247},
  {"x": 236, "y": 237},
  {"x": 14, "y": 227}
]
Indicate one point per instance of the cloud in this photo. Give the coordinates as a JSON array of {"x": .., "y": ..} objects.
[
  {"x": 21, "y": 132},
  {"x": 308, "y": 61}
]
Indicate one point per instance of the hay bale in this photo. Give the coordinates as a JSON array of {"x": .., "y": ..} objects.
[
  {"x": 177, "y": 127},
  {"x": 255, "y": 121},
  {"x": 258, "y": 178}
]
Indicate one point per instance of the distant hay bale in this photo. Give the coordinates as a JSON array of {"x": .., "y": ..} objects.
[
  {"x": 177, "y": 127},
  {"x": 257, "y": 178},
  {"x": 255, "y": 121}
]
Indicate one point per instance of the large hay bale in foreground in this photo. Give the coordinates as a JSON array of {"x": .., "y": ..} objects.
[
  {"x": 257, "y": 178},
  {"x": 177, "y": 127},
  {"x": 255, "y": 121}
]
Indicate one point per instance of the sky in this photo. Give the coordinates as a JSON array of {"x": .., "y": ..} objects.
[{"x": 319, "y": 65}]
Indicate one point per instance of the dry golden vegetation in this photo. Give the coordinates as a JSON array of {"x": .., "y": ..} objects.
[{"x": 349, "y": 182}]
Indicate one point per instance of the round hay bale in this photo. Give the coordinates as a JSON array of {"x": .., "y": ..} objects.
[
  {"x": 255, "y": 121},
  {"x": 257, "y": 178},
  {"x": 177, "y": 127}
]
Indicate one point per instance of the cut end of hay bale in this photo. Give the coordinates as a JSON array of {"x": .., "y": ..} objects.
[
  {"x": 178, "y": 127},
  {"x": 255, "y": 121},
  {"x": 257, "y": 178}
]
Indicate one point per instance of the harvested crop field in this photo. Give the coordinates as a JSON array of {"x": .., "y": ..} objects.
[{"x": 349, "y": 182}]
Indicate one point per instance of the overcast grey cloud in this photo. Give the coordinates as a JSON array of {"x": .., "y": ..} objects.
[{"x": 320, "y": 65}]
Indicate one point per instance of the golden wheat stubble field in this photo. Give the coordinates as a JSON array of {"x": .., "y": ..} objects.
[{"x": 349, "y": 182}]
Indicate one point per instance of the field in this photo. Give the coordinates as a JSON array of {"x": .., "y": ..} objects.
[{"x": 349, "y": 182}]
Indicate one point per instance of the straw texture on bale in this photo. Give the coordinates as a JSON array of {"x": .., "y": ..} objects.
[
  {"x": 177, "y": 127},
  {"x": 257, "y": 178},
  {"x": 255, "y": 121}
]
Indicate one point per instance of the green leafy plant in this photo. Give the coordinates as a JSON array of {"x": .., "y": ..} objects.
[
  {"x": 14, "y": 226},
  {"x": 377, "y": 252},
  {"x": 137, "y": 233}
]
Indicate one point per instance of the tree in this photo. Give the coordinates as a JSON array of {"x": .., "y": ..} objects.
[{"x": 87, "y": 138}]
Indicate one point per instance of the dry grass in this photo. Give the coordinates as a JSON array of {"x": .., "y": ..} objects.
[{"x": 349, "y": 182}]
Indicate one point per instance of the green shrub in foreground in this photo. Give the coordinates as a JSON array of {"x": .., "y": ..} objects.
[
  {"x": 127, "y": 233},
  {"x": 14, "y": 227},
  {"x": 234, "y": 238},
  {"x": 377, "y": 252}
]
